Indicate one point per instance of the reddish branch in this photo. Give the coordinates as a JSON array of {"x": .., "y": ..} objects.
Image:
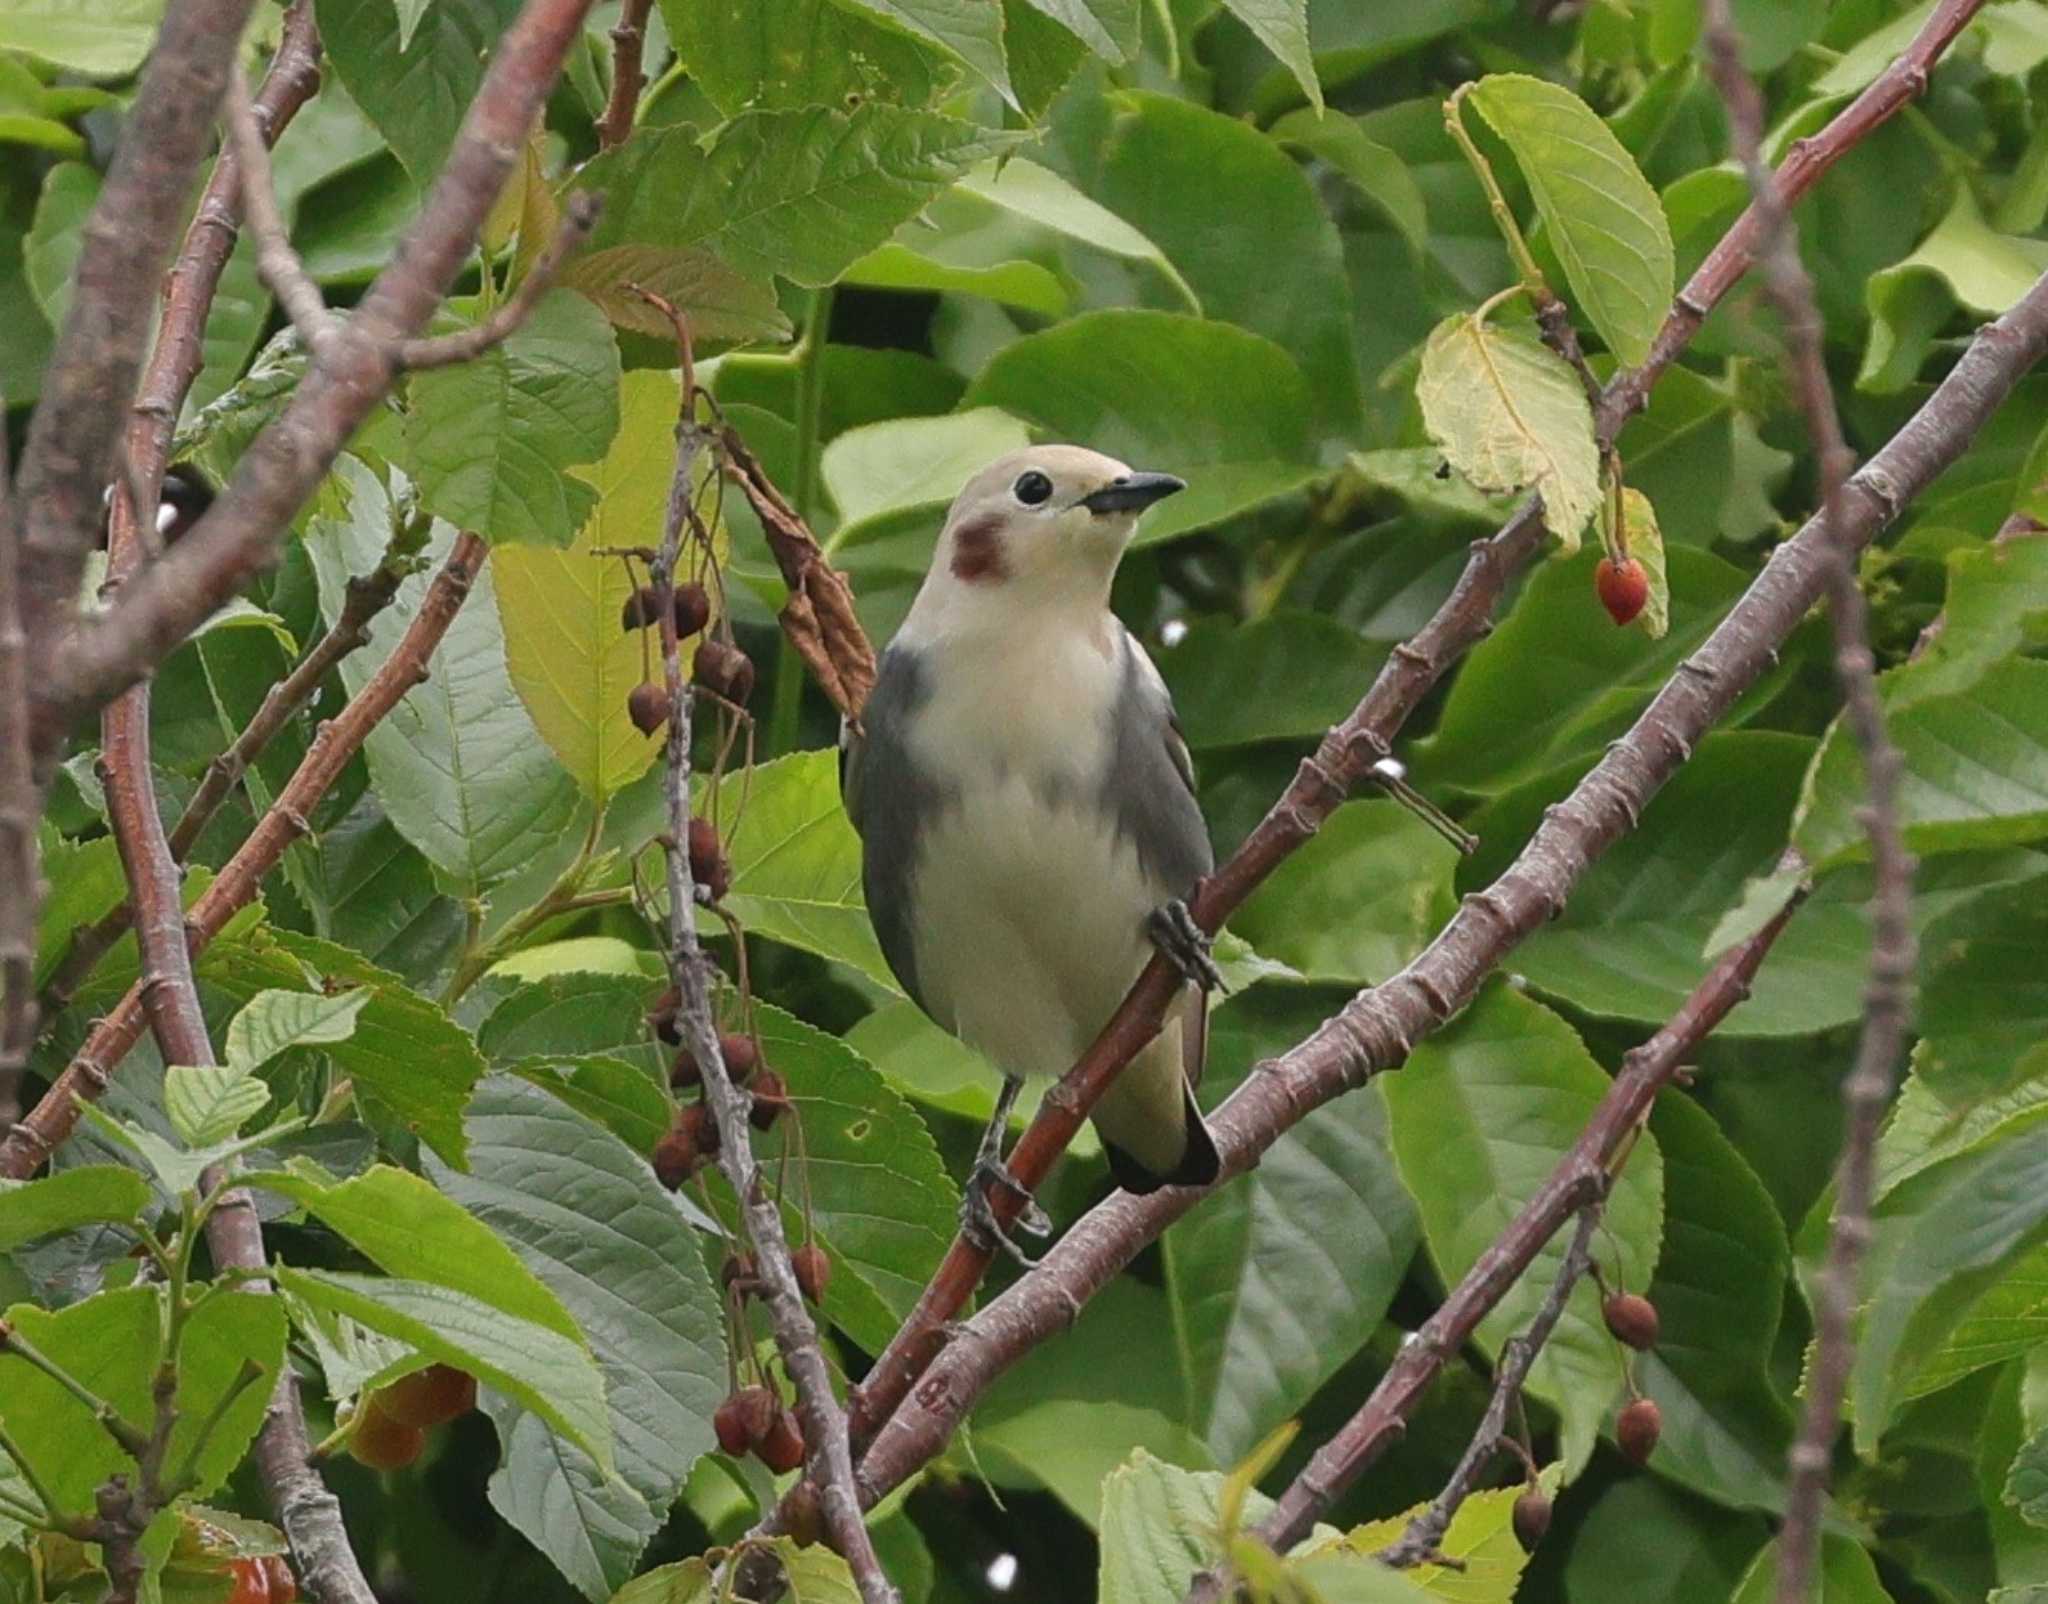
[
  {"x": 1378, "y": 1028},
  {"x": 1887, "y": 999},
  {"x": 629, "y": 41},
  {"x": 1347, "y": 754},
  {"x": 32, "y": 1141},
  {"x": 346, "y": 379},
  {"x": 90, "y": 378}
]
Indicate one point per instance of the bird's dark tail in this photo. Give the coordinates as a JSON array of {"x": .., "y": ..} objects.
[{"x": 1199, "y": 1162}]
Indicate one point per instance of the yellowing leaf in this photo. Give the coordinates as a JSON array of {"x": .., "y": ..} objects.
[
  {"x": 1645, "y": 543},
  {"x": 1511, "y": 416},
  {"x": 1481, "y": 1535},
  {"x": 570, "y": 660},
  {"x": 1604, "y": 218}
]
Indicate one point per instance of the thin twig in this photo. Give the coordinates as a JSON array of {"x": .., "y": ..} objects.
[
  {"x": 1377, "y": 1029},
  {"x": 34, "y": 1138},
  {"x": 579, "y": 217},
  {"x": 1887, "y": 1004},
  {"x": 1340, "y": 762},
  {"x": 276, "y": 261},
  {"x": 629, "y": 40},
  {"x": 1421, "y": 1543},
  {"x": 828, "y": 1460},
  {"x": 21, "y": 880}
]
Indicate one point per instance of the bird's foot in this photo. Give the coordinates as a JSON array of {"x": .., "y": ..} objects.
[
  {"x": 1184, "y": 944},
  {"x": 978, "y": 1216}
]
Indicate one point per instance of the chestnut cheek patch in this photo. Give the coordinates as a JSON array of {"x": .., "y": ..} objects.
[{"x": 978, "y": 551}]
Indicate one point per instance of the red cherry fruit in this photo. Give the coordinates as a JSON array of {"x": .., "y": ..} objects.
[
  {"x": 383, "y": 1443},
  {"x": 1636, "y": 1430},
  {"x": 782, "y": 1449},
  {"x": 252, "y": 1583},
  {"x": 284, "y": 1587},
  {"x": 1623, "y": 587},
  {"x": 428, "y": 1397},
  {"x": 1632, "y": 1318}
]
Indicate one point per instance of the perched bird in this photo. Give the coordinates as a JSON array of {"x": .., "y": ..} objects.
[{"x": 1026, "y": 807}]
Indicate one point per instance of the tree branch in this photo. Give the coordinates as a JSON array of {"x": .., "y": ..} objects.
[
  {"x": 828, "y": 1462},
  {"x": 69, "y": 456},
  {"x": 1347, "y": 753},
  {"x": 579, "y": 217},
  {"x": 1377, "y": 1029},
  {"x": 1887, "y": 1000},
  {"x": 629, "y": 39},
  {"x": 276, "y": 261},
  {"x": 350, "y": 376},
  {"x": 32, "y": 1140},
  {"x": 21, "y": 881}
]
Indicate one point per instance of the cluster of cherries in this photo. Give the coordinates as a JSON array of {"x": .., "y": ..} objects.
[{"x": 719, "y": 666}]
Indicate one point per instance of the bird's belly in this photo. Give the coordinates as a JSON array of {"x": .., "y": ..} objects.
[{"x": 1030, "y": 922}]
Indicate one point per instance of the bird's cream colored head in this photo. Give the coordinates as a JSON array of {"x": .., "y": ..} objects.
[{"x": 1039, "y": 528}]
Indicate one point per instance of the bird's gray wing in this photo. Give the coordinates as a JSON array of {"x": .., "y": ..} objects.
[
  {"x": 1150, "y": 791},
  {"x": 891, "y": 802}
]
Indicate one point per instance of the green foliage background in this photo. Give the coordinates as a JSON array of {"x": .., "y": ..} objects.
[{"x": 913, "y": 234}]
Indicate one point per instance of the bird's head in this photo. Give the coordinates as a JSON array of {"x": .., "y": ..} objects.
[{"x": 1043, "y": 525}]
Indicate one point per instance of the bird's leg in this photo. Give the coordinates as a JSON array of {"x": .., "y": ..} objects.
[
  {"x": 977, "y": 1218},
  {"x": 1184, "y": 944}
]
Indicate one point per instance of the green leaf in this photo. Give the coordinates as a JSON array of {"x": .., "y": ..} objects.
[
  {"x": 587, "y": 1216},
  {"x": 882, "y": 1203},
  {"x": 803, "y": 194},
  {"x": 459, "y": 767},
  {"x": 1021, "y": 186},
  {"x": 1107, "y": 27},
  {"x": 1503, "y": 725},
  {"x": 414, "y": 89},
  {"x": 1645, "y": 542},
  {"x": 609, "y": 1091},
  {"x": 1481, "y": 1116},
  {"x": 1696, "y": 454},
  {"x": 796, "y": 874},
  {"x": 875, "y": 471},
  {"x": 90, "y": 1194},
  {"x": 1024, "y": 285},
  {"x": 109, "y": 1342},
  {"x": 1941, "y": 1240},
  {"x": 1360, "y": 899},
  {"x": 2026, "y": 1486},
  {"x": 1846, "y": 1576},
  {"x": 970, "y": 30},
  {"x": 1511, "y": 416},
  {"x": 98, "y": 38},
  {"x": 274, "y": 1022},
  {"x": 1976, "y": 772},
  {"x": 1158, "y": 1529},
  {"x": 1166, "y": 162},
  {"x": 1165, "y": 392},
  {"x": 1719, "y": 1292},
  {"x": 1995, "y": 606},
  {"x": 720, "y": 304},
  {"x": 55, "y": 239},
  {"x": 1282, "y": 27},
  {"x": 1963, "y": 264},
  {"x": 789, "y": 54},
  {"x": 1375, "y": 171},
  {"x": 813, "y": 1575},
  {"x": 571, "y": 1014},
  {"x": 1288, "y": 674},
  {"x": 1480, "y": 1539},
  {"x": 177, "y": 1168},
  {"x": 405, "y": 1055},
  {"x": 491, "y": 439},
  {"x": 1602, "y": 217},
  {"x": 210, "y": 1103},
  {"x": 570, "y": 661},
  {"x": 1644, "y": 1542},
  {"x": 85, "y": 882},
  {"x": 408, "y": 1229},
  {"x": 540, "y": 1368},
  {"x": 1265, "y": 1307}
]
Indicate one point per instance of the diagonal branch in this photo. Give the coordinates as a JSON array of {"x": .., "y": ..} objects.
[
  {"x": 1377, "y": 1029},
  {"x": 70, "y": 453},
  {"x": 1887, "y": 1004},
  {"x": 348, "y": 378},
  {"x": 1347, "y": 754},
  {"x": 30, "y": 1143}
]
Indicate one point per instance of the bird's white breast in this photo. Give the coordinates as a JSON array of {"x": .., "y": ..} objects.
[{"x": 1029, "y": 908}]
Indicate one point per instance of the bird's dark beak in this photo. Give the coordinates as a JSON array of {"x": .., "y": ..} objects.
[{"x": 1132, "y": 492}]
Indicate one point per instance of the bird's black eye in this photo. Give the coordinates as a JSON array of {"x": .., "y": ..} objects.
[{"x": 1032, "y": 488}]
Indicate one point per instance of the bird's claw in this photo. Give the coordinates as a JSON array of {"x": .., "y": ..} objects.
[
  {"x": 978, "y": 1217},
  {"x": 1184, "y": 944}
]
